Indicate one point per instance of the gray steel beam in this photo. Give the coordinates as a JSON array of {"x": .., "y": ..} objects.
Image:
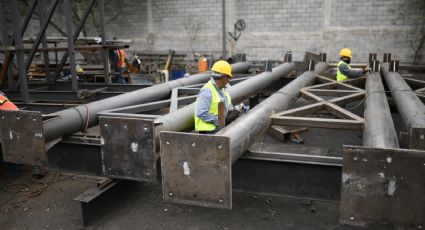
[
  {"x": 31, "y": 148},
  {"x": 44, "y": 43},
  {"x": 410, "y": 107},
  {"x": 243, "y": 131},
  {"x": 41, "y": 32},
  {"x": 105, "y": 51},
  {"x": 6, "y": 41},
  {"x": 74, "y": 37},
  {"x": 379, "y": 130},
  {"x": 68, "y": 21},
  {"x": 182, "y": 119},
  {"x": 196, "y": 168},
  {"x": 20, "y": 53},
  {"x": 69, "y": 121},
  {"x": 139, "y": 161}
]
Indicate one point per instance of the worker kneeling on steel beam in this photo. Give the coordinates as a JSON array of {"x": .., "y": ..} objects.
[
  {"x": 344, "y": 70},
  {"x": 213, "y": 105}
]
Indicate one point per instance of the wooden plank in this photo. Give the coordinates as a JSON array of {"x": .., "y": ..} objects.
[
  {"x": 414, "y": 82},
  {"x": 304, "y": 110},
  {"x": 324, "y": 79},
  {"x": 341, "y": 113},
  {"x": 330, "y": 85},
  {"x": 354, "y": 83},
  {"x": 331, "y": 92},
  {"x": 318, "y": 122},
  {"x": 347, "y": 99},
  {"x": 310, "y": 96}
]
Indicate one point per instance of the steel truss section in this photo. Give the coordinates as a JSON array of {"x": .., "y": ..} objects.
[
  {"x": 205, "y": 179},
  {"x": 138, "y": 153}
]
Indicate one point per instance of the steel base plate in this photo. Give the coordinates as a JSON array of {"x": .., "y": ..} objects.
[
  {"x": 383, "y": 187},
  {"x": 22, "y": 137},
  {"x": 128, "y": 148},
  {"x": 196, "y": 169}
]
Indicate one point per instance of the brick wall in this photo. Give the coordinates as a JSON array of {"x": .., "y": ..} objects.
[{"x": 273, "y": 26}]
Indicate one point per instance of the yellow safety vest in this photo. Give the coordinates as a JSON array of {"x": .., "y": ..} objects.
[
  {"x": 201, "y": 125},
  {"x": 340, "y": 76}
]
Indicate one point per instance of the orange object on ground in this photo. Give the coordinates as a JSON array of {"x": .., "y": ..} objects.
[{"x": 202, "y": 65}]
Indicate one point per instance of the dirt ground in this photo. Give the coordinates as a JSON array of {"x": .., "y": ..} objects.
[{"x": 54, "y": 208}]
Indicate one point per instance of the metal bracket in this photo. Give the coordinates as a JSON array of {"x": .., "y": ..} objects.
[
  {"x": 196, "y": 169},
  {"x": 383, "y": 187},
  {"x": 22, "y": 137},
  {"x": 128, "y": 148}
]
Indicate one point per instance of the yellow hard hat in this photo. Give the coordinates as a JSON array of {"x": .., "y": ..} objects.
[
  {"x": 222, "y": 67},
  {"x": 345, "y": 53}
]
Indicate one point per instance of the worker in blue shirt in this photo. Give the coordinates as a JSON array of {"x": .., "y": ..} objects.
[{"x": 211, "y": 94}]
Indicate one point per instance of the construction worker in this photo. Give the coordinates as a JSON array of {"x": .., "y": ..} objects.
[
  {"x": 121, "y": 64},
  {"x": 344, "y": 70},
  {"x": 211, "y": 94},
  {"x": 5, "y": 104}
]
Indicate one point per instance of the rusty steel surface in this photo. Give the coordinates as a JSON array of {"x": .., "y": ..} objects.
[
  {"x": 22, "y": 139},
  {"x": 383, "y": 187},
  {"x": 127, "y": 148},
  {"x": 196, "y": 169}
]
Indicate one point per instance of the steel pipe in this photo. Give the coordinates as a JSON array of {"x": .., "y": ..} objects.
[
  {"x": 197, "y": 168},
  {"x": 75, "y": 119},
  {"x": 410, "y": 107},
  {"x": 244, "y": 130},
  {"x": 182, "y": 119},
  {"x": 379, "y": 130}
]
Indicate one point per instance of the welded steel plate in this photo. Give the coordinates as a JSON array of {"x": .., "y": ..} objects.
[
  {"x": 128, "y": 148},
  {"x": 22, "y": 137},
  {"x": 196, "y": 169},
  {"x": 418, "y": 138},
  {"x": 383, "y": 187}
]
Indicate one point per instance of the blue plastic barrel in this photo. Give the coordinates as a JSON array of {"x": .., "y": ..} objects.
[{"x": 177, "y": 73}]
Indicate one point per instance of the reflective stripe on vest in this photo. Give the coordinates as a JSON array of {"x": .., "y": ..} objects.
[
  {"x": 201, "y": 125},
  {"x": 340, "y": 76}
]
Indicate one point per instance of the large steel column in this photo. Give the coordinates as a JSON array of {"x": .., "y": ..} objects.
[
  {"x": 243, "y": 131},
  {"x": 410, "y": 107},
  {"x": 197, "y": 168},
  {"x": 72, "y": 120},
  {"x": 379, "y": 130}
]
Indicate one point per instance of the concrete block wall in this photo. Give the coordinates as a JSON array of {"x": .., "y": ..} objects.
[{"x": 273, "y": 26}]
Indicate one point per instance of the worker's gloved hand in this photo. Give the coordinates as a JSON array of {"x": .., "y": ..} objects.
[
  {"x": 366, "y": 70},
  {"x": 242, "y": 108}
]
